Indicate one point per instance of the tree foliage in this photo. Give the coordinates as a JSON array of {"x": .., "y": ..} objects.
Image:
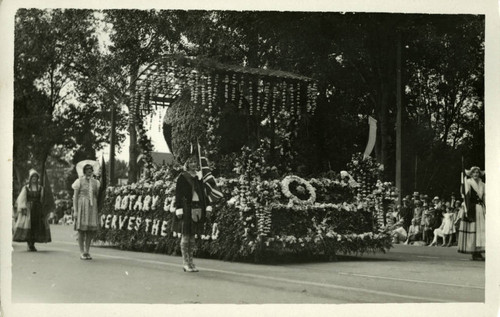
[
  {"x": 47, "y": 44},
  {"x": 65, "y": 81},
  {"x": 353, "y": 57}
]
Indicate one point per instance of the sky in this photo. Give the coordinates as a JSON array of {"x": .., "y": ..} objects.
[
  {"x": 153, "y": 126},
  {"x": 152, "y": 123}
]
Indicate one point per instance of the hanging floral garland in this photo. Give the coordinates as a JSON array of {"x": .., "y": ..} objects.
[
  {"x": 250, "y": 97},
  {"x": 213, "y": 119},
  {"x": 240, "y": 89},
  {"x": 226, "y": 89},
  {"x": 313, "y": 98},
  {"x": 259, "y": 92},
  {"x": 298, "y": 190},
  {"x": 283, "y": 94},
  {"x": 266, "y": 98},
  {"x": 233, "y": 87},
  {"x": 203, "y": 91},
  {"x": 145, "y": 144},
  {"x": 274, "y": 101}
]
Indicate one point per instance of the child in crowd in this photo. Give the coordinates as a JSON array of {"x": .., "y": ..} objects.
[
  {"x": 448, "y": 226},
  {"x": 426, "y": 226},
  {"x": 414, "y": 233}
]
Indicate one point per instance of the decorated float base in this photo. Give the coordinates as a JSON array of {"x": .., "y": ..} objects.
[{"x": 263, "y": 221}]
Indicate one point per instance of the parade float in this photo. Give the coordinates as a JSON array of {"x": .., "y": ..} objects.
[{"x": 267, "y": 212}]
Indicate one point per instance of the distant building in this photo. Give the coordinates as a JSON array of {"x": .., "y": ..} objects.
[{"x": 162, "y": 158}]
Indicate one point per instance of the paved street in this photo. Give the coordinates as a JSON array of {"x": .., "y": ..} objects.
[{"x": 55, "y": 274}]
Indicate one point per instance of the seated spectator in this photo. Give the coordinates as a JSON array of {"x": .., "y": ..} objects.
[
  {"x": 417, "y": 212},
  {"x": 426, "y": 226},
  {"x": 406, "y": 213},
  {"x": 67, "y": 219},
  {"x": 52, "y": 218},
  {"x": 438, "y": 232},
  {"x": 437, "y": 202},
  {"x": 398, "y": 233},
  {"x": 414, "y": 233}
]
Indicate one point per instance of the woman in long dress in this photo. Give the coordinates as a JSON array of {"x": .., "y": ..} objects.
[
  {"x": 86, "y": 190},
  {"x": 471, "y": 234},
  {"x": 191, "y": 205},
  {"x": 34, "y": 203}
]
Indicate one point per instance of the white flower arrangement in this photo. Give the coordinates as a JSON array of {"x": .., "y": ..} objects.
[
  {"x": 131, "y": 199},
  {"x": 146, "y": 205},
  {"x": 124, "y": 203},
  {"x": 138, "y": 203},
  {"x": 118, "y": 202},
  {"x": 285, "y": 188},
  {"x": 158, "y": 183},
  {"x": 156, "y": 199}
]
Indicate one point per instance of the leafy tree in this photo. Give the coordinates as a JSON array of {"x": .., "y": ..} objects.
[
  {"x": 47, "y": 43},
  {"x": 353, "y": 57},
  {"x": 138, "y": 39}
]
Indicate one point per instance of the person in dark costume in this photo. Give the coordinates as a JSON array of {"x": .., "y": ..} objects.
[
  {"x": 471, "y": 234},
  {"x": 34, "y": 204},
  {"x": 191, "y": 205}
]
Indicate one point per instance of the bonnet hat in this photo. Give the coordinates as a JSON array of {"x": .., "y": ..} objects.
[
  {"x": 79, "y": 169},
  {"x": 32, "y": 173},
  {"x": 468, "y": 172},
  {"x": 80, "y": 165}
]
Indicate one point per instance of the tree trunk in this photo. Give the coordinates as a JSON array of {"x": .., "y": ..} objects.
[
  {"x": 133, "y": 117},
  {"x": 384, "y": 129},
  {"x": 399, "y": 120},
  {"x": 112, "y": 147}
]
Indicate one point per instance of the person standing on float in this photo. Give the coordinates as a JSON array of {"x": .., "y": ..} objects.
[
  {"x": 471, "y": 234},
  {"x": 85, "y": 211},
  {"x": 34, "y": 204},
  {"x": 191, "y": 205}
]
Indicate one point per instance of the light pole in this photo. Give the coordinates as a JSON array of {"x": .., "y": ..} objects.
[{"x": 399, "y": 116}]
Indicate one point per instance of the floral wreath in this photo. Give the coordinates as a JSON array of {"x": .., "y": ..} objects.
[{"x": 303, "y": 187}]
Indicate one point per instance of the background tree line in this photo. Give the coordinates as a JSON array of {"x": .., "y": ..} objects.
[{"x": 72, "y": 65}]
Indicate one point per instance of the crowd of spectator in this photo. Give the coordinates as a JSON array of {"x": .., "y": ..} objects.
[
  {"x": 426, "y": 222},
  {"x": 63, "y": 213}
]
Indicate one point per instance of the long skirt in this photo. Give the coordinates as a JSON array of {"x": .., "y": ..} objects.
[
  {"x": 32, "y": 227},
  {"x": 86, "y": 215},
  {"x": 471, "y": 235}
]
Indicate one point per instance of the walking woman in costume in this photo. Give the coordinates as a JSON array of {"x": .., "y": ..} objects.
[
  {"x": 471, "y": 234},
  {"x": 191, "y": 205},
  {"x": 85, "y": 210},
  {"x": 34, "y": 204}
]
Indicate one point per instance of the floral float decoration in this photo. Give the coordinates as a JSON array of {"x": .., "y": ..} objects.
[
  {"x": 298, "y": 190},
  {"x": 265, "y": 217}
]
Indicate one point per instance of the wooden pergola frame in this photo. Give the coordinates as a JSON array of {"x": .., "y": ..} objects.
[{"x": 162, "y": 82}]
